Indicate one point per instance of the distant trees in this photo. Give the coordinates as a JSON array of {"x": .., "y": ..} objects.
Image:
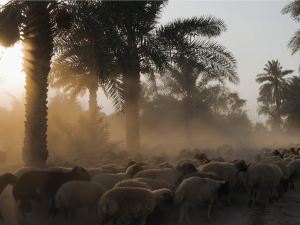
[
  {"x": 273, "y": 83},
  {"x": 291, "y": 105},
  {"x": 218, "y": 114}
]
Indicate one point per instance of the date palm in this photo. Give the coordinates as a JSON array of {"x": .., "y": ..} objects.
[
  {"x": 132, "y": 26},
  {"x": 272, "y": 85},
  {"x": 195, "y": 59},
  {"x": 35, "y": 23},
  {"x": 84, "y": 60}
]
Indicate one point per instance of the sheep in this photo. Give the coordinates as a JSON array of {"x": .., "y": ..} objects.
[
  {"x": 37, "y": 185},
  {"x": 225, "y": 170},
  {"x": 203, "y": 175},
  {"x": 171, "y": 175},
  {"x": 132, "y": 183},
  {"x": 266, "y": 178},
  {"x": 165, "y": 165},
  {"x": 108, "y": 180},
  {"x": 195, "y": 190},
  {"x": 156, "y": 183},
  {"x": 60, "y": 169},
  {"x": 6, "y": 179},
  {"x": 130, "y": 205},
  {"x": 294, "y": 171},
  {"x": 19, "y": 172},
  {"x": 75, "y": 195},
  {"x": 96, "y": 170}
]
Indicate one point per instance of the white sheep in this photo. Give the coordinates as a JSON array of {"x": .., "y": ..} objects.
[
  {"x": 130, "y": 205},
  {"x": 195, "y": 190},
  {"x": 170, "y": 175},
  {"x": 266, "y": 179},
  {"x": 75, "y": 195},
  {"x": 108, "y": 180}
]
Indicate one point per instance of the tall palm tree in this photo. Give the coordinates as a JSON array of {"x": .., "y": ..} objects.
[
  {"x": 271, "y": 91},
  {"x": 132, "y": 27},
  {"x": 35, "y": 23},
  {"x": 195, "y": 59},
  {"x": 293, "y": 9}
]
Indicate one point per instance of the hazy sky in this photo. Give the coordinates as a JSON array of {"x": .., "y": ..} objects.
[{"x": 257, "y": 32}]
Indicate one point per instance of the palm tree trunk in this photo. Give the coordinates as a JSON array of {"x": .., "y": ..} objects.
[
  {"x": 93, "y": 106},
  {"x": 93, "y": 116},
  {"x": 277, "y": 119},
  {"x": 38, "y": 48},
  {"x": 132, "y": 95},
  {"x": 188, "y": 111},
  {"x": 132, "y": 88}
]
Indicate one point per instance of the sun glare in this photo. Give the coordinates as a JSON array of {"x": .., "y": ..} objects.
[{"x": 12, "y": 78}]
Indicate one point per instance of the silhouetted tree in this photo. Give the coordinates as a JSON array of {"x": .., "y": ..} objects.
[
  {"x": 84, "y": 59},
  {"x": 35, "y": 23},
  {"x": 132, "y": 27},
  {"x": 194, "y": 57},
  {"x": 271, "y": 91},
  {"x": 291, "y": 105},
  {"x": 293, "y": 9}
]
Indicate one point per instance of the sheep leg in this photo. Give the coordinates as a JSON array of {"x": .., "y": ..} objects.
[
  {"x": 183, "y": 214},
  {"x": 1, "y": 217},
  {"x": 210, "y": 208},
  {"x": 53, "y": 210},
  {"x": 143, "y": 222},
  {"x": 251, "y": 196}
]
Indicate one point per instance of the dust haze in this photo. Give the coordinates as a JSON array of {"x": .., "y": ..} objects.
[{"x": 162, "y": 131}]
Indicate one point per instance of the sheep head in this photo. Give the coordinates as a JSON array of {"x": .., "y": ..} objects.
[
  {"x": 163, "y": 195},
  {"x": 79, "y": 173},
  {"x": 186, "y": 168},
  {"x": 132, "y": 170},
  {"x": 241, "y": 165}
]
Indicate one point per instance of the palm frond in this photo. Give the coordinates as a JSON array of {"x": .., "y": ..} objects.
[
  {"x": 293, "y": 8},
  {"x": 294, "y": 43},
  {"x": 10, "y": 22},
  {"x": 208, "y": 26}
]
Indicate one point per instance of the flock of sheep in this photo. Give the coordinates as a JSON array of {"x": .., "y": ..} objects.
[{"x": 129, "y": 192}]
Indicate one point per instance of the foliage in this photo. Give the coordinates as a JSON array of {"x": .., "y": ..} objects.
[
  {"x": 271, "y": 92},
  {"x": 291, "y": 106},
  {"x": 71, "y": 132},
  {"x": 84, "y": 59},
  {"x": 293, "y": 9}
]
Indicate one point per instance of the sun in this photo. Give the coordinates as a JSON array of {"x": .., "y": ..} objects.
[{"x": 12, "y": 77}]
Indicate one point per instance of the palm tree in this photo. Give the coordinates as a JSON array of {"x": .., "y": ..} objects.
[
  {"x": 293, "y": 9},
  {"x": 195, "y": 60},
  {"x": 63, "y": 76},
  {"x": 271, "y": 91},
  {"x": 84, "y": 59},
  {"x": 132, "y": 27},
  {"x": 34, "y": 23},
  {"x": 291, "y": 106}
]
